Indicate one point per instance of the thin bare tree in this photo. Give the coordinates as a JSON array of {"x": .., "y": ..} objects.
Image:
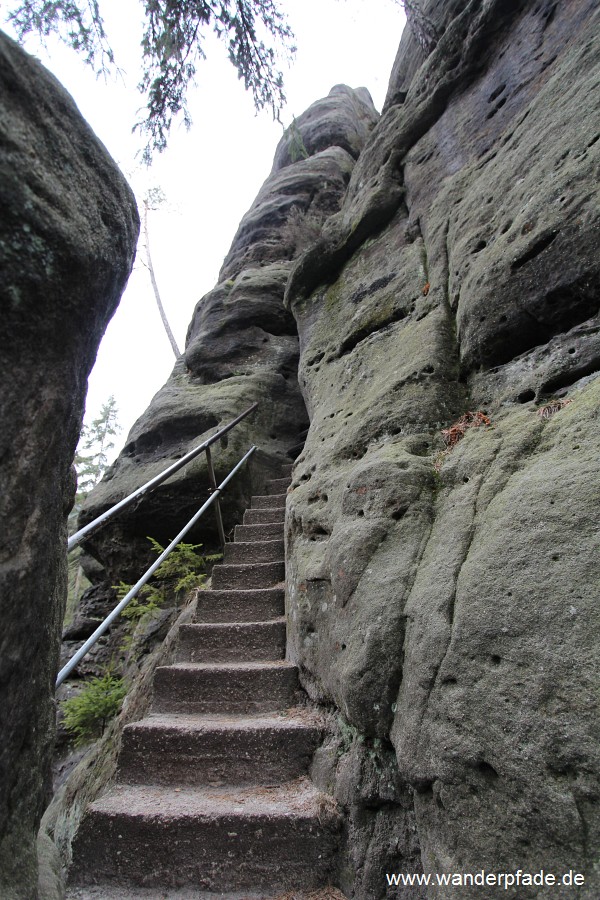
[{"x": 152, "y": 200}]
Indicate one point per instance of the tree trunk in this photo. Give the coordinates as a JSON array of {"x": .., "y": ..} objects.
[{"x": 161, "y": 310}]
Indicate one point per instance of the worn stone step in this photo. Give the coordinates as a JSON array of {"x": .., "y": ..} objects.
[
  {"x": 242, "y": 641},
  {"x": 271, "y": 532},
  {"x": 254, "y": 551},
  {"x": 252, "y": 575},
  {"x": 188, "y": 749},
  {"x": 264, "y": 516},
  {"x": 225, "y": 688},
  {"x": 214, "y": 838},
  {"x": 278, "y": 485},
  {"x": 112, "y": 892},
  {"x": 255, "y": 605},
  {"x": 286, "y": 470},
  {"x": 107, "y": 891},
  {"x": 268, "y": 501}
]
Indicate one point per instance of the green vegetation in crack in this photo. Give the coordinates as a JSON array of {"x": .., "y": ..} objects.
[
  {"x": 181, "y": 572},
  {"x": 99, "y": 701}
]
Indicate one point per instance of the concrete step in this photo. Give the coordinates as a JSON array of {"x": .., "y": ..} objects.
[
  {"x": 241, "y": 641},
  {"x": 264, "y": 516},
  {"x": 252, "y": 575},
  {"x": 278, "y": 485},
  {"x": 214, "y": 838},
  {"x": 269, "y": 532},
  {"x": 255, "y": 605},
  {"x": 253, "y": 552},
  {"x": 187, "y": 749},
  {"x": 268, "y": 501},
  {"x": 113, "y": 892},
  {"x": 226, "y": 688}
]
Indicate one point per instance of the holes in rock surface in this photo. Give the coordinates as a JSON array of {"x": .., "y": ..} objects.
[
  {"x": 479, "y": 246},
  {"x": 502, "y": 319},
  {"x": 466, "y": 479},
  {"x": 496, "y": 93},
  {"x": 361, "y": 514},
  {"x": 497, "y": 107},
  {"x": 449, "y": 681},
  {"x": 496, "y": 659},
  {"x": 538, "y": 247},
  {"x": 567, "y": 378},
  {"x": 160, "y": 441},
  {"x": 399, "y": 513},
  {"x": 526, "y": 396},
  {"x": 594, "y": 140},
  {"x": 487, "y": 771},
  {"x": 429, "y": 370},
  {"x": 315, "y": 359},
  {"x": 343, "y": 646},
  {"x": 424, "y": 788},
  {"x": 367, "y": 330},
  {"x": 506, "y": 226},
  {"x": 571, "y": 350},
  {"x": 317, "y": 532}
]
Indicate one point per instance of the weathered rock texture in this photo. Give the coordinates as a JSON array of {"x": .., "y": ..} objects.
[
  {"x": 441, "y": 604},
  {"x": 453, "y": 613},
  {"x": 242, "y": 347},
  {"x": 68, "y": 228}
]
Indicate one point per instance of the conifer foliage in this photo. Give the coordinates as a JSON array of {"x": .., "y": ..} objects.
[{"x": 171, "y": 48}]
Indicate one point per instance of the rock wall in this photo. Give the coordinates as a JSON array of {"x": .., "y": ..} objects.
[
  {"x": 68, "y": 229},
  {"x": 242, "y": 347},
  {"x": 444, "y": 602},
  {"x": 438, "y": 260}
]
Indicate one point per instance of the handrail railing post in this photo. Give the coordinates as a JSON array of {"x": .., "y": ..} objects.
[
  {"x": 213, "y": 487},
  {"x": 214, "y": 497},
  {"x": 76, "y": 538}
]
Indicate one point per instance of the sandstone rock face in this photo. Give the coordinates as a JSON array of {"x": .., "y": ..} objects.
[
  {"x": 242, "y": 347},
  {"x": 438, "y": 260},
  {"x": 68, "y": 229},
  {"x": 444, "y": 603}
]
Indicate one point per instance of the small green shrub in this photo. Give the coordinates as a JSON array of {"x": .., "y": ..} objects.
[
  {"x": 178, "y": 574},
  {"x": 86, "y": 715},
  {"x": 302, "y": 228},
  {"x": 296, "y": 146}
]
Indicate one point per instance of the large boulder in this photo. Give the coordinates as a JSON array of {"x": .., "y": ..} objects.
[
  {"x": 442, "y": 600},
  {"x": 68, "y": 230}
]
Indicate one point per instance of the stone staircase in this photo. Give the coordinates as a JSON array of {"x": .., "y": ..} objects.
[{"x": 212, "y": 792}]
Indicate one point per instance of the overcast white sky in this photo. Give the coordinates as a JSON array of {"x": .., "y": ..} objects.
[{"x": 210, "y": 174}]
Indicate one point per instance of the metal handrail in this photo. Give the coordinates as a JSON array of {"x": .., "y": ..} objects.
[
  {"x": 76, "y": 538},
  {"x": 68, "y": 668}
]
